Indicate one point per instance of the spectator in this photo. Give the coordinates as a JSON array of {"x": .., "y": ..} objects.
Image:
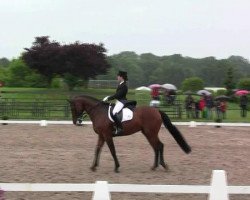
[
  {"x": 243, "y": 105},
  {"x": 155, "y": 94},
  {"x": 209, "y": 106},
  {"x": 218, "y": 109},
  {"x": 223, "y": 108},
  {"x": 196, "y": 109},
  {"x": 189, "y": 105},
  {"x": 202, "y": 104},
  {"x": 169, "y": 96}
]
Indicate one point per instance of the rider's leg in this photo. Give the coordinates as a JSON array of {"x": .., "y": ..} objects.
[{"x": 118, "y": 123}]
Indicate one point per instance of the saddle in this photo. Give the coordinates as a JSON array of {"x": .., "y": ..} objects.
[{"x": 125, "y": 114}]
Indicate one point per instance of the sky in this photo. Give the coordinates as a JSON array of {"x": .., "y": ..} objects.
[{"x": 193, "y": 28}]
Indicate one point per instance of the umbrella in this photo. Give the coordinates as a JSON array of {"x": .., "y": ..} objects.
[
  {"x": 241, "y": 92},
  {"x": 143, "y": 88},
  {"x": 154, "y": 86},
  {"x": 188, "y": 92},
  {"x": 222, "y": 98},
  {"x": 204, "y": 92},
  {"x": 169, "y": 86}
]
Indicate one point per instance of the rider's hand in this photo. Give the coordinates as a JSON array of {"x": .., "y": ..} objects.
[{"x": 105, "y": 98}]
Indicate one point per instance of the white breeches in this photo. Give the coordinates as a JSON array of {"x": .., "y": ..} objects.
[{"x": 118, "y": 106}]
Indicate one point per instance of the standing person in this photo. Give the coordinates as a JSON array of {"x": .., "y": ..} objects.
[
  {"x": 209, "y": 106},
  {"x": 155, "y": 94},
  {"x": 189, "y": 102},
  {"x": 196, "y": 109},
  {"x": 120, "y": 96},
  {"x": 218, "y": 109},
  {"x": 243, "y": 105},
  {"x": 202, "y": 105},
  {"x": 223, "y": 108}
]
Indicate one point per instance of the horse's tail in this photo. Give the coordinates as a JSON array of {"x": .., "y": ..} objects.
[{"x": 175, "y": 133}]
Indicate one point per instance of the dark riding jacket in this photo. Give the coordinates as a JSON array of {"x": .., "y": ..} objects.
[{"x": 121, "y": 92}]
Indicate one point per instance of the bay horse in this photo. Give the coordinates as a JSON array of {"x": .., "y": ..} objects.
[{"x": 146, "y": 119}]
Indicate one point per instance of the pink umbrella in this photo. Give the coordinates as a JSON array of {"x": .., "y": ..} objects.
[
  {"x": 154, "y": 86},
  {"x": 241, "y": 92}
]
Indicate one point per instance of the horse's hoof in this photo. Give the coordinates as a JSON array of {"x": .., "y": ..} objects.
[
  {"x": 153, "y": 168},
  {"x": 117, "y": 170},
  {"x": 93, "y": 169},
  {"x": 166, "y": 168}
]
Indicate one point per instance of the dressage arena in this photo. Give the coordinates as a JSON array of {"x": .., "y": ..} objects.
[{"x": 64, "y": 153}]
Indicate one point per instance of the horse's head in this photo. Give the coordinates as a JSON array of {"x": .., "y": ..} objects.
[
  {"x": 83, "y": 103},
  {"x": 76, "y": 110}
]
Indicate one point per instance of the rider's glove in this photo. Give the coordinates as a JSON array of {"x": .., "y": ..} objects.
[{"x": 105, "y": 98}]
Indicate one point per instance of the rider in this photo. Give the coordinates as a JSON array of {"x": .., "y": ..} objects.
[{"x": 120, "y": 96}]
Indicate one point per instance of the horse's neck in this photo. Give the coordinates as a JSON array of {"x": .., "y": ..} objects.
[
  {"x": 94, "y": 109},
  {"x": 90, "y": 106}
]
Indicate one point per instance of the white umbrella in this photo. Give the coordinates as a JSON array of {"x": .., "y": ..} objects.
[
  {"x": 143, "y": 88},
  {"x": 204, "y": 92},
  {"x": 169, "y": 86}
]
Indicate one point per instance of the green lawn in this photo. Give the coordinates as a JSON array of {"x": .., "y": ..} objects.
[{"x": 142, "y": 98}]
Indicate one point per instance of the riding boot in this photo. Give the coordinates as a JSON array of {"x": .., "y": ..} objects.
[{"x": 118, "y": 124}]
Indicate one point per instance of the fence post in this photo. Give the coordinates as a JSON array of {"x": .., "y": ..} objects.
[
  {"x": 101, "y": 191},
  {"x": 218, "y": 186}
]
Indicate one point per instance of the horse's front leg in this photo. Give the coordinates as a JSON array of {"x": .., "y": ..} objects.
[
  {"x": 111, "y": 146},
  {"x": 98, "y": 149}
]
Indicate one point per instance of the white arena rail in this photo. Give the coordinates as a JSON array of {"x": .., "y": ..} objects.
[
  {"x": 218, "y": 190},
  {"x": 47, "y": 122}
]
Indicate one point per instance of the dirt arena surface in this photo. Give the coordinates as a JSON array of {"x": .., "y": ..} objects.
[{"x": 64, "y": 153}]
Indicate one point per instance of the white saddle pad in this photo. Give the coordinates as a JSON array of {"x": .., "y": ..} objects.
[{"x": 127, "y": 114}]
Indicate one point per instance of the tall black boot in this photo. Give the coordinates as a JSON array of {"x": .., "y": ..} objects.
[{"x": 119, "y": 128}]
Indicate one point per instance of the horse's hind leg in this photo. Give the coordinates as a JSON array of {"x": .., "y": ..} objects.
[
  {"x": 156, "y": 160},
  {"x": 156, "y": 145},
  {"x": 161, "y": 150},
  {"x": 98, "y": 149}
]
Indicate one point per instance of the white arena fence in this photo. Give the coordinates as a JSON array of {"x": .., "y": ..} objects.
[
  {"x": 218, "y": 190},
  {"x": 47, "y": 122}
]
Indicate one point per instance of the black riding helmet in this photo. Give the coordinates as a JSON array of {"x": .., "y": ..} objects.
[{"x": 123, "y": 74}]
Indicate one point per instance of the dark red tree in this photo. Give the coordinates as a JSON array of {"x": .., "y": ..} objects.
[
  {"x": 81, "y": 60},
  {"x": 85, "y": 60}
]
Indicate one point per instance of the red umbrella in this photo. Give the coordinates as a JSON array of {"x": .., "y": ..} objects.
[
  {"x": 241, "y": 92},
  {"x": 154, "y": 86}
]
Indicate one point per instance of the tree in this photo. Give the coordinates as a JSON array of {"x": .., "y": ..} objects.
[
  {"x": 244, "y": 84},
  {"x": 84, "y": 60},
  {"x": 229, "y": 81},
  {"x": 71, "y": 80},
  {"x": 192, "y": 84},
  {"x": 80, "y": 60},
  {"x": 126, "y": 61},
  {"x": 44, "y": 56},
  {"x": 4, "y": 62},
  {"x": 148, "y": 64},
  {"x": 20, "y": 75}
]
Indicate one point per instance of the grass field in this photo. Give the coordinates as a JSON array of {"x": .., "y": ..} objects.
[{"x": 142, "y": 98}]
